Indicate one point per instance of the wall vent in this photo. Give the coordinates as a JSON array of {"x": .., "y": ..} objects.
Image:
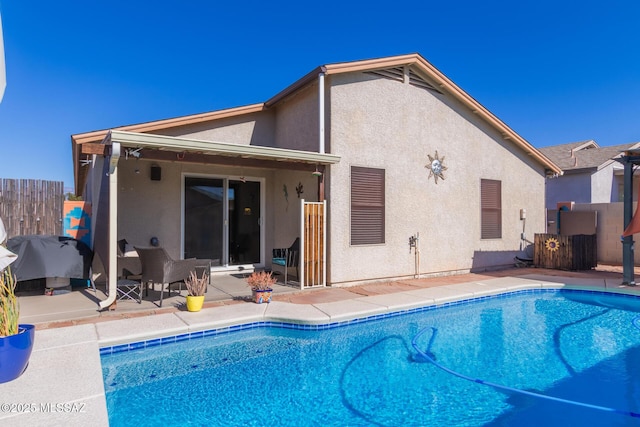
[
  {"x": 418, "y": 81},
  {"x": 396, "y": 74}
]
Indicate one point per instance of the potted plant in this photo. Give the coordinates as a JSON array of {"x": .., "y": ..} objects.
[
  {"x": 261, "y": 284},
  {"x": 196, "y": 286},
  {"x": 16, "y": 340}
]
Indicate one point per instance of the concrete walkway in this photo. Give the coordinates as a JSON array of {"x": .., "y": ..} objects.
[{"x": 63, "y": 384}]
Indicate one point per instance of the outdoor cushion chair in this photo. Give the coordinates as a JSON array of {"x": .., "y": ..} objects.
[
  {"x": 159, "y": 267},
  {"x": 287, "y": 257}
]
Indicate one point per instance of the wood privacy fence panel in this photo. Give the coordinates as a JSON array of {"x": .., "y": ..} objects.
[
  {"x": 313, "y": 245},
  {"x": 30, "y": 206},
  {"x": 577, "y": 252}
]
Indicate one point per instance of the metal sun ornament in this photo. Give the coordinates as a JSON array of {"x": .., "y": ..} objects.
[
  {"x": 436, "y": 167},
  {"x": 552, "y": 244}
]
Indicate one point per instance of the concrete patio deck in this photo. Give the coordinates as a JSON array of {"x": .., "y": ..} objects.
[{"x": 63, "y": 384}]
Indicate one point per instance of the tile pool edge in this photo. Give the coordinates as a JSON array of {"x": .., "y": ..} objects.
[{"x": 110, "y": 347}]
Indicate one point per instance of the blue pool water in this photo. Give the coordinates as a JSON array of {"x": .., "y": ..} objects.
[{"x": 570, "y": 345}]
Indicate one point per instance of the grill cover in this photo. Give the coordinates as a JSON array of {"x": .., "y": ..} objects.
[{"x": 49, "y": 256}]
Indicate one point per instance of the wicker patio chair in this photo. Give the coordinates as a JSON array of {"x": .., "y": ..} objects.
[
  {"x": 159, "y": 267},
  {"x": 287, "y": 257}
]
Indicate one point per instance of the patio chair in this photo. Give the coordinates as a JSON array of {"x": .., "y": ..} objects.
[
  {"x": 159, "y": 267},
  {"x": 287, "y": 257}
]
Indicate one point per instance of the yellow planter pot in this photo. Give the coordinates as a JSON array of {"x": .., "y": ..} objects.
[{"x": 194, "y": 303}]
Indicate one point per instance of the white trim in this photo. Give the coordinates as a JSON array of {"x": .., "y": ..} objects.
[
  {"x": 321, "y": 112},
  {"x": 112, "y": 268},
  {"x": 162, "y": 142}
]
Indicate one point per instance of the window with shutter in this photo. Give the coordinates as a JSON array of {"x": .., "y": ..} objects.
[
  {"x": 490, "y": 209},
  {"x": 367, "y": 206}
]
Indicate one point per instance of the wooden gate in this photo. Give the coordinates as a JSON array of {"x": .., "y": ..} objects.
[
  {"x": 313, "y": 248},
  {"x": 577, "y": 252}
]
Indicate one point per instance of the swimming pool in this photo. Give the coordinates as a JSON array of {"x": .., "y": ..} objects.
[{"x": 572, "y": 345}]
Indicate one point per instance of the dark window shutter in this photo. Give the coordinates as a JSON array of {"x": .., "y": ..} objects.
[
  {"x": 491, "y": 209},
  {"x": 367, "y": 206}
]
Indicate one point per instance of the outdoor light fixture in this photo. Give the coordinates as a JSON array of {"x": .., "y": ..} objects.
[
  {"x": 316, "y": 172},
  {"x": 133, "y": 153}
]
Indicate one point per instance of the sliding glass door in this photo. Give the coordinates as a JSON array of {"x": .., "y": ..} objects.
[{"x": 222, "y": 220}]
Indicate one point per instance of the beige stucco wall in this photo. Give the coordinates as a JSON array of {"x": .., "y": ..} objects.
[
  {"x": 297, "y": 120},
  {"x": 609, "y": 229},
  {"x": 153, "y": 208},
  {"x": 371, "y": 122},
  {"x": 249, "y": 129},
  {"x": 602, "y": 184},
  {"x": 381, "y": 123}
]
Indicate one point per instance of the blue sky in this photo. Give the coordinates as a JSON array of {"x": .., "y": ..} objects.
[{"x": 554, "y": 71}]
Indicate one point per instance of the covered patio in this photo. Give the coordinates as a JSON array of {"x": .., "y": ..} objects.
[{"x": 253, "y": 188}]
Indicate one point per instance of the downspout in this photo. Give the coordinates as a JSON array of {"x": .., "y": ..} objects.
[
  {"x": 321, "y": 111},
  {"x": 112, "y": 268},
  {"x": 321, "y": 141}
]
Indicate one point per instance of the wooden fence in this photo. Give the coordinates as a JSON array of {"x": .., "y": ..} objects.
[
  {"x": 30, "y": 206},
  {"x": 313, "y": 245},
  {"x": 577, "y": 252}
]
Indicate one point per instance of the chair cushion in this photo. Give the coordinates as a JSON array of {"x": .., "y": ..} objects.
[{"x": 279, "y": 261}]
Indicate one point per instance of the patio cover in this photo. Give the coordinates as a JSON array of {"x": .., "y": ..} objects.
[{"x": 226, "y": 149}]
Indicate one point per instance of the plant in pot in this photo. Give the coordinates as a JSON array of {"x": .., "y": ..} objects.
[
  {"x": 196, "y": 286},
  {"x": 16, "y": 340},
  {"x": 261, "y": 283}
]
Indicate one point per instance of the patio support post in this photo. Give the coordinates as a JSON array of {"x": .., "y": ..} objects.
[{"x": 627, "y": 242}]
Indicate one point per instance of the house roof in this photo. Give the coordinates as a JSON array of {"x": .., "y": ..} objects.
[
  {"x": 90, "y": 142},
  {"x": 583, "y": 155}
]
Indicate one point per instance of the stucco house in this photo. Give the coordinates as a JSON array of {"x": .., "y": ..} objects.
[
  {"x": 385, "y": 151},
  {"x": 590, "y": 173}
]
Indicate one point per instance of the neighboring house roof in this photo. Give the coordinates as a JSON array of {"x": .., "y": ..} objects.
[
  {"x": 420, "y": 71},
  {"x": 583, "y": 155}
]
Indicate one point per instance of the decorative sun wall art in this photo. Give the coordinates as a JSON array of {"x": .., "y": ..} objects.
[
  {"x": 436, "y": 167},
  {"x": 552, "y": 244}
]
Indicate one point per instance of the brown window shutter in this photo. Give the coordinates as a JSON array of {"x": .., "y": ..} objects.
[
  {"x": 367, "y": 206},
  {"x": 491, "y": 209}
]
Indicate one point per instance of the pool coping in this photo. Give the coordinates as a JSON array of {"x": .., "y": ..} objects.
[{"x": 63, "y": 383}]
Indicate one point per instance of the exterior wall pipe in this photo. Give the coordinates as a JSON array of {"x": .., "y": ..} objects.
[
  {"x": 321, "y": 112},
  {"x": 112, "y": 267}
]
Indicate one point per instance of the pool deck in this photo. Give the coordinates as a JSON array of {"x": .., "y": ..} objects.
[{"x": 63, "y": 384}]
